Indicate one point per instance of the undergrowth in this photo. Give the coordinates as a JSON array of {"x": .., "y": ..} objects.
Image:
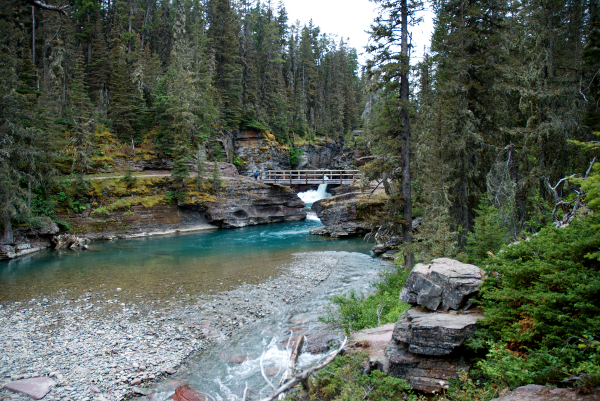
[
  {"x": 343, "y": 379},
  {"x": 357, "y": 312}
]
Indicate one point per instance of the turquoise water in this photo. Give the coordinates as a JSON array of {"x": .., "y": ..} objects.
[{"x": 168, "y": 266}]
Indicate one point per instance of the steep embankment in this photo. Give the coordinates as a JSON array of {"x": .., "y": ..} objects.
[{"x": 132, "y": 206}]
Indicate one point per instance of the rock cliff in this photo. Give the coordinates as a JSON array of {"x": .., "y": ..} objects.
[
  {"x": 249, "y": 204},
  {"x": 237, "y": 203},
  {"x": 342, "y": 215}
]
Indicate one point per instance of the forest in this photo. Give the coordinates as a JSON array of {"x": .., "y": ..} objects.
[
  {"x": 170, "y": 78},
  {"x": 491, "y": 138}
]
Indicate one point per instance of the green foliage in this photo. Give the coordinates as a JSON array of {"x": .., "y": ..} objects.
[
  {"x": 63, "y": 225},
  {"x": 357, "y": 312},
  {"x": 216, "y": 177},
  {"x": 129, "y": 179},
  {"x": 540, "y": 299},
  {"x": 465, "y": 389},
  {"x": 591, "y": 185},
  {"x": 488, "y": 236},
  {"x": 343, "y": 380},
  {"x": 295, "y": 154},
  {"x": 238, "y": 162}
]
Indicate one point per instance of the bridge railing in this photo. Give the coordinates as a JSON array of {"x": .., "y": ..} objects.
[{"x": 289, "y": 177}]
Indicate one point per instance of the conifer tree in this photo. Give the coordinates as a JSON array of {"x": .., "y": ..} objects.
[
  {"x": 121, "y": 108},
  {"x": 225, "y": 45},
  {"x": 391, "y": 130},
  {"x": 82, "y": 122}
]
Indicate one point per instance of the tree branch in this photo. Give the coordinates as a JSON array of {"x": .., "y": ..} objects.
[
  {"x": 302, "y": 377},
  {"x": 50, "y": 7}
]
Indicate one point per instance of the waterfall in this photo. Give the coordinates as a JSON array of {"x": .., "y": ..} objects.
[{"x": 312, "y": 196}]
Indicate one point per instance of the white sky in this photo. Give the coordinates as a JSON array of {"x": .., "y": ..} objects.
[{"x": 350, "y": 19}]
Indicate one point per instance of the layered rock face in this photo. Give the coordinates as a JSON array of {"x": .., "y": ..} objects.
[
  {"x": 30, "y": 239},
  {"x": 260, "y": 151},
  {"x": 340, "y": 217},
  {"x": 326, "y": 155},
  {"x": 427, "y": 343},
  {"x": 249, "y": 204}
]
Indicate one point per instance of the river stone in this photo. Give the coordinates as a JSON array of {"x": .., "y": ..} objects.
[
  {"x": 35, "y": 388},
  {"x": 443, "y": 284},
  {"x": 435, "y": 334},
  {"x": 187, "y": 393}
]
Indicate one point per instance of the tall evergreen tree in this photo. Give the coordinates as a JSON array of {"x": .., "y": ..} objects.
[
  {"x": 222, "y": 32},
  {"x": 391, "y": 131}
]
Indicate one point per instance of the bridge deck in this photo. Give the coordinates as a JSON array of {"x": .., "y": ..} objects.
[{"x": 290, "y": 177}]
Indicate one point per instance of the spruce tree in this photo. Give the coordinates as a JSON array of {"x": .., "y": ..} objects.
[{"x": 225, "y": 45}]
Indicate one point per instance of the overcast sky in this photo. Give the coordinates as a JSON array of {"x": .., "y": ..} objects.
[{"x": 350, "y": 19}]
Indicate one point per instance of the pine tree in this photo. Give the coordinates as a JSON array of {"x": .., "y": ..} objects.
[
  {"x": 82, "y": 121},
  {"x": 225, "y": 45},
  {"x": 391, "y": 129},
  {"x": 121, "y": 107}
]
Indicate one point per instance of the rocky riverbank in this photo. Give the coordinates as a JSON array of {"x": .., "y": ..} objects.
[{"x": 107, "y": 345}]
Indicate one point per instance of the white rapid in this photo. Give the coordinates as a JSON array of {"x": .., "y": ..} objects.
[{"x": 311, "y": 196}]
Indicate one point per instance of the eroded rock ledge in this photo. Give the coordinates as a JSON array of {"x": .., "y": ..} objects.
[
  {"x": 427, "y": 346},
  {"x": 341, "y": 216}
]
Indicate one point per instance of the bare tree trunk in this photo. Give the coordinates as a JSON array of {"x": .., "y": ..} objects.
[
  {"x": 405, "y": 150},
  {"x": 8, "y": 237},
  {"x": 33, "y": 34},
  {"x": 148, "y": 4}
]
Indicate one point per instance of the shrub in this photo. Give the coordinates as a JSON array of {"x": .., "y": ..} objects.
[
  {"x": 540, "y": 298},
  {"x": 357, "y": 312},
  {"x": 343, "y": 379}
]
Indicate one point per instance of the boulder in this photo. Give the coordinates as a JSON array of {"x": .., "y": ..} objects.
[
  {"x": 187, "y": 393},
  {"x": 373, "y": 343},
  {"x": 339, "y": 216},
  {"x": 423, "y": 373},
  {"x": 39, "y": 226},
  {"x": 432, "y": 333},
  {"x": 7, "y": 252},
  {"x": 427, "y": 346},
  {"x": 442, "y": 284}
]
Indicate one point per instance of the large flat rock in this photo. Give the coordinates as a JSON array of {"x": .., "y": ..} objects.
[
  {"x": 423, "y": 373},
  {"x": 36, "y": 387},
  {"x": 432, "y": 333},
  {"x": 442, "y": 284}
]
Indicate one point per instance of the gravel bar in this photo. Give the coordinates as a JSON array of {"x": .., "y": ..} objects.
[{"x": 100, "y": 347}]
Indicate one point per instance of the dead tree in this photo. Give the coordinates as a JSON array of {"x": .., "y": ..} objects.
[
  {"x": 302, "y": 377},
  {"x": 569, "y": 209}
]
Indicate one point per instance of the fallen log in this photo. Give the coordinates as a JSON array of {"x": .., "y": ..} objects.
[
  {"x": 289, "y": 372},
  {"x": 303, "y": 376}
]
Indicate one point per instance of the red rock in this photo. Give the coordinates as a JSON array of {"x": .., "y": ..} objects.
[
  {"x": 171, "y": 371},
  {"x": 135, "y": 382},
  {"x": 186, "y": 393},
  {"x": 35, "y": 388}
]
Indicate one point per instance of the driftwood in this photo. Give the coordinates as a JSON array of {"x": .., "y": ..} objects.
[
  {"x": 67, "y": 241},
  {"x": 289, "y": 372},
  {"x": 303, "y": 376}
]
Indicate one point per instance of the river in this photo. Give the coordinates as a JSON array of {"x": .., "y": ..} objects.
[
  {"x": 207, "y": 279},
  {"x": 200, "y": 262}
]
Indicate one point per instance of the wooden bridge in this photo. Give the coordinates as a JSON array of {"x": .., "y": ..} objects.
[{"x": 290, "y": 177}]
